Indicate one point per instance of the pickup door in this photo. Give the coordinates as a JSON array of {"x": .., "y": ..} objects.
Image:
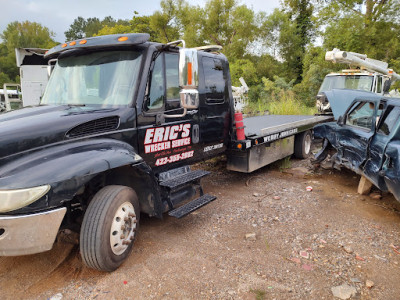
[
  {"x": 379, "y": 143},
  {"x": 391, "y": 168},
  {"x": 354, "y": 136}
]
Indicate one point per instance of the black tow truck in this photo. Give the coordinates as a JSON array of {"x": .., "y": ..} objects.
[{"x": 120, "y": 123}]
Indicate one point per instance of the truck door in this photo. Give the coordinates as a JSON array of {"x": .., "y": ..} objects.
[
  {"x": 382, "y": 167},
  {"x": 379, "y": 142},
  {"x": 391, "y": 166},
  {"x": 355, "y": 134},
  {"x": 215, "y": 105},
  {"x": 166, "y": 138}
]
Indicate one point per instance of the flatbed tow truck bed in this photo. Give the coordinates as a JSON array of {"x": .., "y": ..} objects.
[{"x": 268, "y": 139}]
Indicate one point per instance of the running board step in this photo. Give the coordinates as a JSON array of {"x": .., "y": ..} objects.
[
  {"x": 184, "y": 178},
  {"x": 191, "y": 206}
]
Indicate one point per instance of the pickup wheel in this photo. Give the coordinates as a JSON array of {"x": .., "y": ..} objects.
[
  {"x": 109, "y": 228},
  {"x": 302, "y": 144}
]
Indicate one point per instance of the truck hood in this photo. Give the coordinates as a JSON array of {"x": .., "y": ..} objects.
[
  {"x": 32, "y": 128},
  {"x": 340, "y": 99}
]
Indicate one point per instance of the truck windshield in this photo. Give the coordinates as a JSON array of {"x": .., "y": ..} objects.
[
  {"x": 99, "y": 78},
  {"x": 353, "y": 82}
]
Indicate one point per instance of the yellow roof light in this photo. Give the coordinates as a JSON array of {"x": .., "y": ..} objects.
[
  {"x": 83, "y": 42},
  {"x": 122, "y": 39},
  {"x": 72, "y": 43},
  {"x": 64, "y": 45}
]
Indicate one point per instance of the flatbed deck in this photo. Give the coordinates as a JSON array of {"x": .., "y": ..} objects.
[
  {"x": 270, "y": 138},
  {"x": 261, "y": 126}
]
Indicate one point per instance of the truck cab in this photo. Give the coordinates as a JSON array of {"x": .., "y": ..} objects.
[
  {"x": 120, "y": 123},
  {"x": 351, "y": 80},
  {"x": 370, "y": 75}
]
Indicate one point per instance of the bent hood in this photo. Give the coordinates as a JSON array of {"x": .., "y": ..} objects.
[{"x": 340, "y": 99}]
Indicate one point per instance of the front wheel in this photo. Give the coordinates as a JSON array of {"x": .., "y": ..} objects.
[
  {"x": 302, "y": 144},
  {"x": 109, "y": 228}
]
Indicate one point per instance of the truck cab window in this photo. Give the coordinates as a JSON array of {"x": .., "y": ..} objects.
[
  {"x": 214, "y": 80},
  {"x": 389, "y": 120},
  {"x": 156, "y": 93},
  {"x": 103, "y": 78},
  {"x": 361, "y": 115},
  {"x": 172, "y": 75},
  {"x": 379, "y": 84}
]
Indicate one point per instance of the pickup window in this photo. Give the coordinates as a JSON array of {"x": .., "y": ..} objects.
[
  {"x": 361, "y": 115},
  {"x": 390, "y": 120}
]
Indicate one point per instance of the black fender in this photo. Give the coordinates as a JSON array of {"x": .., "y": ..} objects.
[{"x": 68, "y": 167}]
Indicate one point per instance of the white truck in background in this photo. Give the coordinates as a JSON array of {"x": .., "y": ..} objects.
[
  {"x": 34, "y": 75},
  {"x": 240, "y": 95},
  {"x": 372, "y": 76}
]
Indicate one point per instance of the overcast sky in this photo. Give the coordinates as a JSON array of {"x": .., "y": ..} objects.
[{"x": 57, "y": 15}]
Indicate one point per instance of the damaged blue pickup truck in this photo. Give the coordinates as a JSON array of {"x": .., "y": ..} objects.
[{"x": 365, "y": 138}]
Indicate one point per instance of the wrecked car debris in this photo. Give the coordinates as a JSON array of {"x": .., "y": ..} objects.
[{"x": 366, "y": 139}]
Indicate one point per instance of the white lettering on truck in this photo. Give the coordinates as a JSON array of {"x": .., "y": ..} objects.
[{"x": 163, "y": 138}]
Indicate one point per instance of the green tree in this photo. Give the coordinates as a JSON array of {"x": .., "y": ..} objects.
[
  {"x": 288, "y": 32},
  {"x": 166, "y": 22},
  {"x": 243, "y": 68},
  {"x": 21, "y": 35},
  {"x": 76, "y": 29},
  {"x": 231, "y": 26},
  {"x": 300, "y": 11},
  {"x": 82, "y": 28},
  {"x": 220, "y": 22},
  {"x": 364, "y": 26}
]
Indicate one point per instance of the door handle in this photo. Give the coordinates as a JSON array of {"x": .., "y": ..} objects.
[
  {"x": 192, "y": 112},
  {"x": 195, "y": 134}
]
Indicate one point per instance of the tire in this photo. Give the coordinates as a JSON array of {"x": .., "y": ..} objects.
[
  {"x": 109, "y": 228},
  {"x": 302, "y": 144}
]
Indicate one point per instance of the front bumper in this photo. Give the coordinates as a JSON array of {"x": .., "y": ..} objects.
[{"x": 29, "y": 234}]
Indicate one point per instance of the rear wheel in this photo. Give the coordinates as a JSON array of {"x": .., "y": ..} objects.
[
  {"x": 109, "y": 228},
  {"x": 302, "y": 144}
]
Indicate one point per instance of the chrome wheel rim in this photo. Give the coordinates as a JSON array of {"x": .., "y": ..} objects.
[{"x": 123, "y": 228}]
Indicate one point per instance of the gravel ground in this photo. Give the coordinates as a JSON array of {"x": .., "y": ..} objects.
[{"x": 265, "y": 237}]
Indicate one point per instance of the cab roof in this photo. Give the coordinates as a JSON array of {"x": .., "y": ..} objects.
[{"x": 99, "y": 42}]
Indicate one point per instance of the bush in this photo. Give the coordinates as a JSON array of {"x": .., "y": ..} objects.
[{"x": 278, "y": 98}]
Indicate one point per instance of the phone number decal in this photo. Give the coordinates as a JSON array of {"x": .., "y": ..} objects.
[{"x": 174, "y": 158}]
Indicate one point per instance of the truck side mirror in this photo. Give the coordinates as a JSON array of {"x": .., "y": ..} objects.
[
  {"x": 386, "y": 86},
  {"x": 188, "y": 78},
  {"x": 50, "y": 66}
]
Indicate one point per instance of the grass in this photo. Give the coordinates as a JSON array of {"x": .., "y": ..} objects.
[
  {"x": 285, "y": 164},
  {"x": 260, "y": 295},
  {"x": 283, "y": 103}
]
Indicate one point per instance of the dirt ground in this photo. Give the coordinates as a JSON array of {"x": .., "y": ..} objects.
[{"x": 265, "y": 237}]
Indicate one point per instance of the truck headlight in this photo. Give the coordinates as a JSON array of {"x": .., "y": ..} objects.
[{"x": 14, "y": 199}]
